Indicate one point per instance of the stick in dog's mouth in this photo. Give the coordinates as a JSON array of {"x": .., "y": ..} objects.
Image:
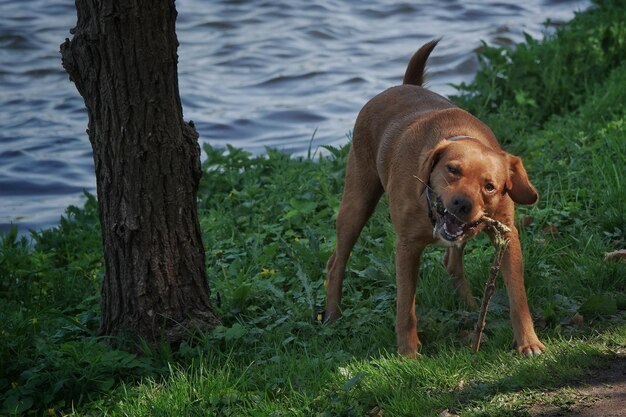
[
  {"x": 448, "y": 225},
  {"x": 500, "y": 242}
]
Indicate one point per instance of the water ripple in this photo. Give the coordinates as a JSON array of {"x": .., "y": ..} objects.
[{"x": 252, "y": 73}]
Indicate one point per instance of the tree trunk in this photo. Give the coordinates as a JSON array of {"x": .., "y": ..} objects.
[{"x": 123, "y": 62}]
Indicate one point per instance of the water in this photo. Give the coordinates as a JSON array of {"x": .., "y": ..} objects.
[{"x": 286, "y": 74}]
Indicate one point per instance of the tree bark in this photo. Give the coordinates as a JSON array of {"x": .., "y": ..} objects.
[{"x": 123, "y": 61}]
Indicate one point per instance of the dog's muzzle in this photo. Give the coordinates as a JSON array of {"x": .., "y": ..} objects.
[{"x": 444, "y": 222}]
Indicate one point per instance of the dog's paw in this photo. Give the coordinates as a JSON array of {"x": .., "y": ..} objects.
[
  {"x": 530, "y": 349},
  {"x": 409, "y": 354},
  {"x": 329, "y": 316},
  {"x": 410, "y": 347}
]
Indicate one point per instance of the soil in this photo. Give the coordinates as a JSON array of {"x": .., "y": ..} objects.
[{"x": 601, "y": 393}]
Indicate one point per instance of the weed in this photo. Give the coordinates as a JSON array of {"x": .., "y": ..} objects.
[{"x": 268, "y": 229}]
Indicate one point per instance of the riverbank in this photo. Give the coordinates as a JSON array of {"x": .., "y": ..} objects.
[{"x": 268, "y": 230}]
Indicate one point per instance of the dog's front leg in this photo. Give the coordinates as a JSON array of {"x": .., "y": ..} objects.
[
  {"x": 526, "y": 339},
  {"x": 453, "y": 261},
  {"x": 408, "y": 253}
]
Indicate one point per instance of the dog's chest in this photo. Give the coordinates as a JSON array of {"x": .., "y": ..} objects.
[{"x": 441, "y": 242}]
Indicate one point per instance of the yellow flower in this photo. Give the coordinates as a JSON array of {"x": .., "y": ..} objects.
[
  {"x": 267, "y": 272},
  {"x": 34, "y": 321},
  {"x": 51, "y": 412}
]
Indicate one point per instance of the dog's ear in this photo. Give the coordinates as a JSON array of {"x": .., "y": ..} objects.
[
  {"x": 518, "y": 185},
  {"x": 432, "y": 157}
]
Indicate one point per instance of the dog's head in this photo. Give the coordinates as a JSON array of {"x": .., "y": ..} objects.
[{"x": 469, "y": 180}]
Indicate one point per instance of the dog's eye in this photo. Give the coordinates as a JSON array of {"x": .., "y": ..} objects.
[
  {"x": 490, "y": 188},
  {"x": 453, "y": 170}
]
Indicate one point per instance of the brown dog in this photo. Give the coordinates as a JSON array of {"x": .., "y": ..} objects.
[{"x": 407, "y": 132}]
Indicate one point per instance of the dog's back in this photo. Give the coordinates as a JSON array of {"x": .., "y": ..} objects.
[{"x": 385, "y": 118}]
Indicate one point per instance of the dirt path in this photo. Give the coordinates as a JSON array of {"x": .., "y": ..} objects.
[{"x": 602, "y": 393}]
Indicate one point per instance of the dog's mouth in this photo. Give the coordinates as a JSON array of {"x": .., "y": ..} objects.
[{"x": 449, "y": 226}]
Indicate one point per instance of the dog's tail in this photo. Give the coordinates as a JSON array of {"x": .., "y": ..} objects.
[{"x": 415, "y": 71}]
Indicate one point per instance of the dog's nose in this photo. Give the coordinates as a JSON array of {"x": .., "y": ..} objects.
[{"x": 461, "y": 205}]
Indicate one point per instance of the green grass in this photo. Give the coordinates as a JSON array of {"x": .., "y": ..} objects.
[{"x": 268, "y": 226}]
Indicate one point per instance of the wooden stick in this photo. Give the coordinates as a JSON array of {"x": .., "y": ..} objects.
[{"x": 500, "y": 243}]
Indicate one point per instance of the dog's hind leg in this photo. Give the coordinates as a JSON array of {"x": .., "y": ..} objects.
[
  {"x": 453, "y": 261},
  {"x": 362, "y": 190}
]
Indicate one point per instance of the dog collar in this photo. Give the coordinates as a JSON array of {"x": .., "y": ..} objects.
[{"x": 452, "y": 138}]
